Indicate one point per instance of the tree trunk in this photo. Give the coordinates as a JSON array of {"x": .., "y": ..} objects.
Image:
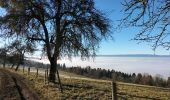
[
  {"x": 17, "y": 66},
  {"x": 4, "y": 63},
  {"x": 19, "y": 62},
  {"x": 12, "y": 65},
  {"x": 52, "y": 74}
]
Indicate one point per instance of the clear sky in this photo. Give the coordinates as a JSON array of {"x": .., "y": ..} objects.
[{"x": 122, "y": 43}]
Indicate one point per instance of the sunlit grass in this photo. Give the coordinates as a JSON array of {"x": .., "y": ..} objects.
[{"x": 78, "y": 87}]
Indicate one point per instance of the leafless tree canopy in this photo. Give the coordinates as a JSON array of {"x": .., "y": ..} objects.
[
  {"x": 61, "y": 27},
  {"x": 80, "y": 24},
  {"x": 152, "y": 17}
]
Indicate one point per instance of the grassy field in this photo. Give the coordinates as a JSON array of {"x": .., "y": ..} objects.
[{"x": 77, "y": 87}]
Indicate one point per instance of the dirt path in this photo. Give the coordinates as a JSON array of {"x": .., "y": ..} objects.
[{"x": 13, "y": 87}]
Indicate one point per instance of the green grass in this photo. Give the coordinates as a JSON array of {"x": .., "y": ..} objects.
[{"x": 78, "y": 87}]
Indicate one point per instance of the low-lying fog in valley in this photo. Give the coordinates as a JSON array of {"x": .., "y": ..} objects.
[{"x": 151, "y": 65}]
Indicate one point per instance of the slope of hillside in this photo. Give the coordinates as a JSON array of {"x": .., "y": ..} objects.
[{"x": 77, "y": 87}]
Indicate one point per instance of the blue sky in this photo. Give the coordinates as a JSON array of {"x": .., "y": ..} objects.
[{"x": 122, "y": 43}]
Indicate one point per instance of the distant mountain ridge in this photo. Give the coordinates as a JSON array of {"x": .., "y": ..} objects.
[{"x": 133, "y": 55}]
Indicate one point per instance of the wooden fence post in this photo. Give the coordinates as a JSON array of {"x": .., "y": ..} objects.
[
  {"x": 28, "y": 70},
  {"x": 47, "y": 73},
  {"x": 37, "y": 73},
  {"x": 45, "y": 77},
  {"x": 23, "y": 69},
  {"x": 114, "y": 91},
  {"x": 114, "y": 87}
]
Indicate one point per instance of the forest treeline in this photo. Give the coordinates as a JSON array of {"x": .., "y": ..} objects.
[{"x": 98, "y": 73}]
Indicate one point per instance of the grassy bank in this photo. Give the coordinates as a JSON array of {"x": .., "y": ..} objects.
[{"x": 78, "y": 87}]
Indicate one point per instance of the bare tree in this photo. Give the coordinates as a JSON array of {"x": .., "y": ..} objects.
[
  {"x": 61, "y": 27},
  {"x": 152, "y": 17},
  {"x": 3, "y": 54},
  {"x": 17, "y": 49},
  {"x": 14, "y": 50}
]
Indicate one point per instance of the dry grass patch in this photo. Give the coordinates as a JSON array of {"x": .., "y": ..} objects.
[{"x": 89, "y": 89}]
